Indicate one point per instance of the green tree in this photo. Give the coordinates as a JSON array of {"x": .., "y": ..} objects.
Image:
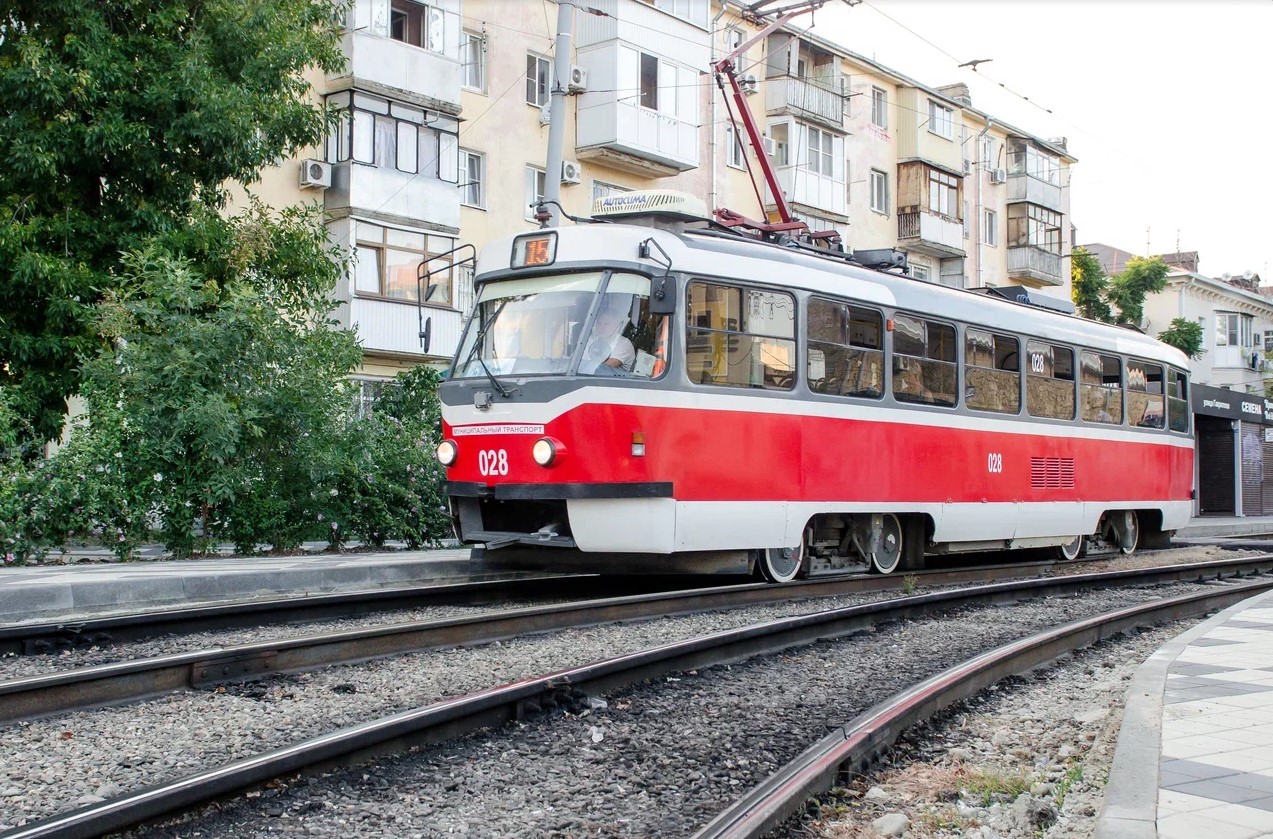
[
  {"x": 121, "y": 120},
  {"x": 1088, "y": 286},
  {"x": 1185, "y": 335},
  {"x": 1129, "y": 289}
]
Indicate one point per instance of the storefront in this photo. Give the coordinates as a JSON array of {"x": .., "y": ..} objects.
[{"x": 1234, "y": 441}]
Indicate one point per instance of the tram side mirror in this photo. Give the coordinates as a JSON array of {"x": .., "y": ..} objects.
[
  {"x": 662, "y": 295},
  {"x": 426, "y": 334}
]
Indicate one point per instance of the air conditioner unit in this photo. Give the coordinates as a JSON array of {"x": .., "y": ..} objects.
[
  {"x": 315, "y": 174},
  {"x": 749, "y": 83},
  {"x": 545, "y": 114},
  {"x": 998, "y": 176},
  {"x": 570, "y": 172},
  {"x": 771, "y": 146},
  {"x": 578, "y": 79},
  {"x": 967, "y": 166}
]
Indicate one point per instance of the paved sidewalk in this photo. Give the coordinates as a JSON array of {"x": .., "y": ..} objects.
[{"x": 1195, "y": 753}]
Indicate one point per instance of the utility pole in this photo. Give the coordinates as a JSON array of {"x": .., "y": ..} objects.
[{"x": 557, "y": 109}]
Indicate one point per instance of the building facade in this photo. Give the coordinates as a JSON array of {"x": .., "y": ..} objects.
[{"x": 445, "y": 112}]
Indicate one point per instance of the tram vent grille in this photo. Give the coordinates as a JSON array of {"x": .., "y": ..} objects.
[{"x": 1052, "y": 472}]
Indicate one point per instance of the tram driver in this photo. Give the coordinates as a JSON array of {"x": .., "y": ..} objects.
[{"x": 608, "y": 347}]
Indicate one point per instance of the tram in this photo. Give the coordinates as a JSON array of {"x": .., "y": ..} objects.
[{"x": 650, "y": 391}]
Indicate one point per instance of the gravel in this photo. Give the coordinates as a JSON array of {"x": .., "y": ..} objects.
[
  {"x": 1027, "y": 758},
  {"x": 657, "y": 760}
]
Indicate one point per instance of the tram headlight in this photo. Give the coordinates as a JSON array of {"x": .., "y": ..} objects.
[
  {"x": 447, "y": 452},
  {"x": 546, "y": 450}
]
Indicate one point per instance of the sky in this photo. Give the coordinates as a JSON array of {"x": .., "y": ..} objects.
[{"x": 1163, "y": 102}]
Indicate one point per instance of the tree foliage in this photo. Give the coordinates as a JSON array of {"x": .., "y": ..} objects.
[
  {"x": 122, "y": 120},
  {"x": 219, "y": 409},
  {"x": 1128, "y": 290},
  {"x": 1185, "y": 335},
  {"x": 1088, "y": 284}
]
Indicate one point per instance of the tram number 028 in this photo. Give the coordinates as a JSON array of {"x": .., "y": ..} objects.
[
  {"x": 994, "y": 463},
  {"x": 492, "y": 462}
]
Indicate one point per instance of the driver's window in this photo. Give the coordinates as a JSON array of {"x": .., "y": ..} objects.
[{"x": 625, "y": 339}]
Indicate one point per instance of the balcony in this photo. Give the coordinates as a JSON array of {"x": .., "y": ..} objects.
[
  {"x": 818, "y": 100},
  {"x": 930, "y": 234},
  {"x": 390, "y": 194},
  {"x": 820, "y": 194},
  {"x": 1031, "y": 263},
  {"x": 1023, "y": 187},
  {"x": 400, "y": 71},
  {"x": 393, "y": 328}
]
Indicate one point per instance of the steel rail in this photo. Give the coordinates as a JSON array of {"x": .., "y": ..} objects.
[
  {"x": 455, "y": 717},
  {"x": 89, "y": 687},
  {"x": 860, "y": 743}
]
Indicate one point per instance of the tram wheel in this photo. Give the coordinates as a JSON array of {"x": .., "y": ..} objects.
[
  {"x": 1128, "y": 531},
  {"x": 781, "y": 565},
  {"x": 1071, "y": 551},
  {"x": 892, "y": 546}
]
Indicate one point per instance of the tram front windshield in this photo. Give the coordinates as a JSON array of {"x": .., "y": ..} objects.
[{"x": 589, "y": 324}]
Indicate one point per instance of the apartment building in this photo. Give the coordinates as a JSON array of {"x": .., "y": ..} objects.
[{"x": 446, "y": 110}]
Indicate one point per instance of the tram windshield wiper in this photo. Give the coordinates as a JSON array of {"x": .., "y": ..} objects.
[{"x": 500, "y": 388}]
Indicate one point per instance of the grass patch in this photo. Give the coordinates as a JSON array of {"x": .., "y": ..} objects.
[{"x": 989, "y": 786}]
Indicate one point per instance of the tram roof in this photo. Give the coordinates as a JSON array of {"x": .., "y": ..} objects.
[{"x": 743, "y": 259}]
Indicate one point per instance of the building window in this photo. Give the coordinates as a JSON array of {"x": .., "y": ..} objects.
[
  {"x": 988, "y": 152},
  {"x": 695, "y": 11},
  {"x": 536, "y": 186},
  {"x": 734, "y": 39},
  {"x": 539, "y": 74},
  {"x": 1233, "y": 329},
  {"x": 940, "y": 119},
  {"x": 848, "y": 181},
  {"x": 821, "y": 160},
  {"x": 990, "y": 227},
  {"x": 967, "y": 221},
  {"x": 604, "y": 190},
  {"x": 649, "y": 82},
  {"x": 392, "y": 135},
  {"x": 1025, "y": 159},
  {"x": 779, "y": 133},
  {"x": 919, "y": 271},
  {"x": 416, "y": 24},
  {"x": 1029, "y": 224},
  {"x": 387, "y": 262},
  {"x": 473, "y": 178},
  {"x": 735, "y": 155},
  {"x": 473, "y": 60},
  {"x": 943, "y": 194},
  {"x": 879, "y": 107},
  {"x": 879, "y": 191}
]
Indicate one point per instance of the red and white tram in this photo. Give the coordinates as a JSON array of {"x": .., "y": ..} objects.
[{"x": 657, "y": 393}]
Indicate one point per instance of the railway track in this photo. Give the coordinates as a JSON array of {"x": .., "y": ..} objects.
[
  {"x": 88, "y": 687},
  {"x": 447, "y": 719}
]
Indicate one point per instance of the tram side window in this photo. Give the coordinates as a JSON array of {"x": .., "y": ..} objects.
[
  {"x": 923, "y": 361},
  {"x": 992, "y": 372},
  {"x": 1049, "y": 389},
  {"x": 740, "y": 337},
  {"x": 1144, "y": 394},
  {"x": 1177, "y": 401},
  {"x": 1100, "y": 388},
  {"x": 846, "y": 350}
]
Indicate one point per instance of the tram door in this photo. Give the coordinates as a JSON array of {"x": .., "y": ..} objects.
[{"x": 1215, "y": 466}]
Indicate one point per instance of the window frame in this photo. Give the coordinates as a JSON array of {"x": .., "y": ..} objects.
[
  {"x": 989, "y": 227},
  {"x": 473, "y": 60},
  {"x": 467, "y": 156},
  {"x": 880, "y": 178},
  {"x": 1031, "y": 225},
  {"x": 941, "y": 185},
  {"x": 1044, "y": 366},
  {"x": 824, "y": 153},
  {"x": 430, "y": 16},
  {"x": 971, "y": 401},
  {"x": 1087, "y": 388},
  {"x": 542, "y": 68},
  {"x": 879, "y": 107},
  {"x": 940, "y": 116},
  {"x": 532, "y": 178},
  {"x": 735, "y": 155},
  {"x": 648, "y": 85},
  {"x": 924, "y": 397},
  {"x": 742, "y": 330},
  {"x": 434, "y": 245},
  {"x": 365, "y": 120}
]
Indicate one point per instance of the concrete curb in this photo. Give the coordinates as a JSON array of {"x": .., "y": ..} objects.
[{"x": 1130, "y": 810}]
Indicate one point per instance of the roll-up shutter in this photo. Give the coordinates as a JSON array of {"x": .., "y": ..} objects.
[
  {"x": 1252, "y": 449},
  {"x": 1267, "y": 431},
  {"x": 1215, "y": 466}
]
